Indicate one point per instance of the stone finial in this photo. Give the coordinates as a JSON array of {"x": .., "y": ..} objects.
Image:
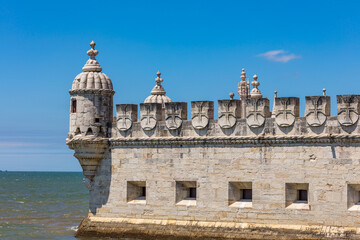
[
  {"x": 92, "y": 52},
  {"x": 243, "y": 75},
  {"x": 324, "y": 92},
  {"x": 92, "y": 64},
  {"x": 255, "y": 92},
  {"x": 243, "y": 90},
  {"x": 275, "y": 94},
  {"x": 158, "y": 89},
  {"x": 231, "y": 94}
]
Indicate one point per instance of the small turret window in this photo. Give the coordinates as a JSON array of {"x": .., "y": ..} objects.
[{"x": 73, "y": 106}]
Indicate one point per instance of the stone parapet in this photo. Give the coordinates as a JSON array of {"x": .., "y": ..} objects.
[{"x": 317, "y": 119}]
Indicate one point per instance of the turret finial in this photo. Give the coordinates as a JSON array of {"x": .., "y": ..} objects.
[
  {"x": 158, "y": 89},
  {"x": 158, "y": 80},
  {"x": 324, "y": 92},
  {"x": 92, "y": 64},
  {"x": 92, "y": 52},
  {"x": 275, "y": 93},
  {"x": 255, "y": 92},
  {"x": 231, "y": 94}
]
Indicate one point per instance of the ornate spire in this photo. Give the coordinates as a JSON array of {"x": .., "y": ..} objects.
[
  {"x": 158, "y": 89},
  {"x": 92, "y": 64},
  {"x": 242, "y": 86},
  {"x": 255, "y": 92}
]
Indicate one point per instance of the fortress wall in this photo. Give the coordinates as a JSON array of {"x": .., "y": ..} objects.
[{"x": 327, "y": 168}]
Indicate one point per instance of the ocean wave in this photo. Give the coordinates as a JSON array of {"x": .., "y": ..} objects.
[{"x": 73, "y": 228}]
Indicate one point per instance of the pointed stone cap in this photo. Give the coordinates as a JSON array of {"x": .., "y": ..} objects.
[
  {"x": 255, "y": 92},
  {"x": 158, "y": 92},
  {"x": 92, "y": 64}
]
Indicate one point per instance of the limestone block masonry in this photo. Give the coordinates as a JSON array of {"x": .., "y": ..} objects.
[{"x": 245, "y": 175}]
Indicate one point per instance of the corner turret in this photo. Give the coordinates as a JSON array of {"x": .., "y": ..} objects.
[
  {"x": 91, "y": 101},
  {"x": 91, "y": 115}
]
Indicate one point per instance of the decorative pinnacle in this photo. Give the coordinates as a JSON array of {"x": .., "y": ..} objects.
[
  {"x": 324, "y": 92},
  {"x": 243, "y": 75},
  {"x": 92, "y": 52},
  {"x": 158, "y": 89},
  {"x": 255, "y": 83},
  {"x": 231, "y": 94},
  {"x": 255, "y": 92},
  {"x": 275, "y": 93},
  {"x": 158, "y": 80}
]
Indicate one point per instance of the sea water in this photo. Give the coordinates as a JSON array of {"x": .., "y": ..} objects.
[{"x": 41, "y": 205}]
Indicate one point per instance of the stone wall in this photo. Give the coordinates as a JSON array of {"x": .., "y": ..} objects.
[{"x": 275, "y": 157}]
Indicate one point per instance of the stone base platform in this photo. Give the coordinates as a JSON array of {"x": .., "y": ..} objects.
[{"x": 176, "y": 229}]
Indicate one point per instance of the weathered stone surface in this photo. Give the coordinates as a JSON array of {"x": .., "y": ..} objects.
[
  {"x": 287, "y": 109},
  {"x": 150, "y": 114},
  {"x": 126, "y": 114},
  {"x": 201, "y": 113},
  {"x": 317, "y": 110},
  {"x": 175, "y": 113},
  {"x": 192, "y": 183},
  {"x": 229, "y": 111},
  {"x": 348, "y": 107},
  {"x": 257, "y": 109}
]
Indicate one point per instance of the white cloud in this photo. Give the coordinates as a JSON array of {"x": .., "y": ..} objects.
[{"x": 279, "y": 56}]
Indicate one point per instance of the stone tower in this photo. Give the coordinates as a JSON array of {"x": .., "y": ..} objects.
[
  {"x": 91, "y": 114},
  {"x": 91, "y": 102}
]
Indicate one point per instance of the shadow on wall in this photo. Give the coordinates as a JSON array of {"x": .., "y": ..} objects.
[{"x": 99, "y": 195}]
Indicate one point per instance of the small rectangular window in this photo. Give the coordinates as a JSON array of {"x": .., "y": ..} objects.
[
  {"x": 73, "y": 106},
  {"x": 247, "y": 194},
  {"x": 97, "y": 120},
  {"x": 302, "y": 195},
  {"x": 143, "y": 191},
  {"x": 192, "y": 193},
  {"x": 186, "y": 192}
]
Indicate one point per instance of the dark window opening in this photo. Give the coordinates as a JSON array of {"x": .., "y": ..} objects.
[
  {"x": 192, "y": 192},
  {"x": 97, "y": 120},
  {"x": 303, "y": 195},
  {"x": 143, "y": 192},
  {"x": 247, "y": 194},
  {"x": 77, "y": 131},
  {"x": 89, "y": 132},
  {"x": 73, "y": 106}
]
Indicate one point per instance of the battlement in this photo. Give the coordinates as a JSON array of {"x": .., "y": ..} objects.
[{"x": 259, "y": 121}]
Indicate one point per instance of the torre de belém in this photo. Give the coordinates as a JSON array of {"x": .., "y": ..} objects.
[{"x": 250, "y": 174}]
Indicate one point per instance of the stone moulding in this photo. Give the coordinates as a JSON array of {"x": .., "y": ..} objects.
[
  {"x": 252, "y": 140},
  {"x": 92, "y": 91}
]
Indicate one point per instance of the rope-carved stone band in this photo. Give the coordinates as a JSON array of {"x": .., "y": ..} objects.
[
  {"x": 93, "y": 91},
  {"x": 252, "y": 140}
]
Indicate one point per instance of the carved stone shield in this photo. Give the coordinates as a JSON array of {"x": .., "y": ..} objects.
[
  {"x": 287, "y": 109},
  {"x": 317, "y": 110},
  {"x": 126, "y": 114},
  {"x": 257, "y": 109},
  {"x": 175, "y": 112},
  {"x": 150, "y": 114},
  {"x": 348, "y": 108},
  {"x": 201, "y": 113},
  {"x": 229, "y": 111}
]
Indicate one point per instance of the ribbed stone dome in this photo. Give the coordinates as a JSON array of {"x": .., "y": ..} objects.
[
  {"x": 157, "y": 99},
  {"x": 158, "y": 92},
  {"x": 92, "y": 78}
]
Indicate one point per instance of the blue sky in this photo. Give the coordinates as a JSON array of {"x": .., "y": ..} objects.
[{"x": 295, "y": 47}]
